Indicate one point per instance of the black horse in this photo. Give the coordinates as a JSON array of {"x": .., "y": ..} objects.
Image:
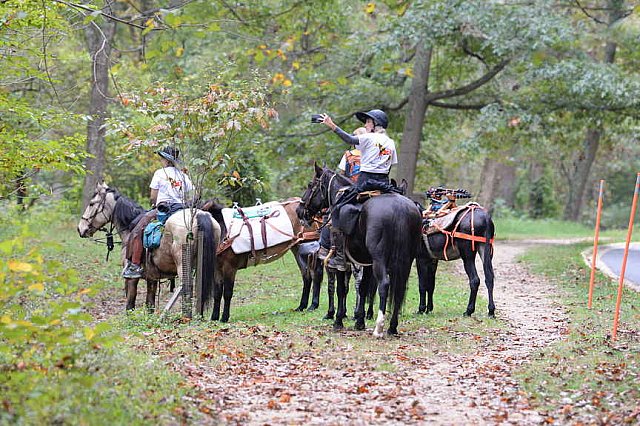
[
  {"x": 470, "y": 232},
  {"x": 385, "y": 242}
]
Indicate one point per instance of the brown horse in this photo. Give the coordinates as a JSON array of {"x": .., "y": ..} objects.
[
  {"x": 108, "y": 206},
  {"x": 229, "y": 262}
]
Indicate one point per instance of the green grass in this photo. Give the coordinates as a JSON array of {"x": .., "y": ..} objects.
[
  {"x": 587, "y": 377},
  {"x": 520, "y": 229}
]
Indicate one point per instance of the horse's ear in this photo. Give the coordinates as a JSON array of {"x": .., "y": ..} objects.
[
  {"x": 101, "y": 186},
  {"x": 317, "y": 168}
]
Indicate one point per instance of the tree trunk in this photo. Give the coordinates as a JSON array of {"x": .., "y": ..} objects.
[
  {"x": 99, "y": 40},
  {"x": 582, "y": 165},
  {"x": 416, "y": 110},
  {"x": 580, "y": 176},
  {"x": 498, "y": 180}
]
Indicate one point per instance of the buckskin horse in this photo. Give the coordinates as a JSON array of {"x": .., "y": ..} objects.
[
  {"x": 230, "y": 262},
  {"x": 385, "y": 241},
  {"x": 458, "y": 235},
  {"x": 109, "y": 206}
]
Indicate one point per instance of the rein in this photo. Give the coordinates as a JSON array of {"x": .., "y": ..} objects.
[{"x": 108, "y": 240}]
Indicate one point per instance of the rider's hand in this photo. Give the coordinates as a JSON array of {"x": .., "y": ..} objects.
[{"x": 327, "y": 121}]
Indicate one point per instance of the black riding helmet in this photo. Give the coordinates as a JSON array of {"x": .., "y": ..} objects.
[
  {"x": 377, "y": 115},
  {"x": 170, "y": 153}
]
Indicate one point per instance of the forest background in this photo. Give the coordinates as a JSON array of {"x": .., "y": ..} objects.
[{"x": 525, "y": 104}]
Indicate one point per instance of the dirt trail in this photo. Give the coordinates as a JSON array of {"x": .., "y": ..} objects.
[{"x": 470, "y": 388}]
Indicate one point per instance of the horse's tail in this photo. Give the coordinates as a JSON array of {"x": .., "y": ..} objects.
[
  {"x": 489, "y": 233},
  {"x": 402, "y": 234},
  {"x": 209, "y": 261}
]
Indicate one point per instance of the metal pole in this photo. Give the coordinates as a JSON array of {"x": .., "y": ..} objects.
[
  {"x": 634, "y": 204},
  {"x": 595, "y": 243}
]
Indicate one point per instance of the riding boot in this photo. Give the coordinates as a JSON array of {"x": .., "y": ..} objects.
[{"x": 337, "y": 261}]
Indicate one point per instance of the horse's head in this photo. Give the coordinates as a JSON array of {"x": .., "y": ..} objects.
[
  {"x": 99, "y": 211},
  {"x": 316, "y": 196}
]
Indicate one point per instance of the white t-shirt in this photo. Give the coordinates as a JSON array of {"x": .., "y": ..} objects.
[
  {"x": 173, "y": 186},
  {"x": 378, "y": 152}
]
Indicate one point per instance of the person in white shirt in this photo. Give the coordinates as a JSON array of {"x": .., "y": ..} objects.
[
  {"x": 170, "y": 192},
  {"x": 378, "y": 150}
]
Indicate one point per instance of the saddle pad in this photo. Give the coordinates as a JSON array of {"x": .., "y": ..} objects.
[
  {"x": 444, "y": 222},
  {"x": 276, "y": 224}
]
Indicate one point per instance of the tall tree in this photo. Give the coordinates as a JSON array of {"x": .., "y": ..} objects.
[{"x": 99, "y": 35}]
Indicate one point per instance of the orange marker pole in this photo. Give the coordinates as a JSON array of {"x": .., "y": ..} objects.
[
  {"x": 595, "y": 243},
  {"x": 616, "y": 317}
]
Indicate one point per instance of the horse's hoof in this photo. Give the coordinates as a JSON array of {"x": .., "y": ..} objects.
[
  {"x": 224, "y": 319},
  {"x": 492, "y": 314},
  {"x": 312, "y": 308},
  {"x": 370, "y": 315},
  {"x": 392, "y": 331},
  {"x": 299, "y": 309},
  {"x": 359, "y": 326},
  {"x": 377, "y": 335},
  {"x": 420, "y": 312},
  {"x": 338, "y": 327}
]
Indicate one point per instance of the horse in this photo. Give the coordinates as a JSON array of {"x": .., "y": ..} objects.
[
  {"x": 229, "y": 262},
  {"x": 385, "y": 241},
  {"x": 473, "y": 231},
  {"x": 109, "y": 206}
]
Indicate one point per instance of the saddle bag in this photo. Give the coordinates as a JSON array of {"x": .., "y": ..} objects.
[
  {"x": 152, "y": 235},
  {"x": 346, "y": 218}
]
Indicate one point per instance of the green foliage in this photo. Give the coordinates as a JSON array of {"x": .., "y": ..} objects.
[{"x": 205, "y": 126}]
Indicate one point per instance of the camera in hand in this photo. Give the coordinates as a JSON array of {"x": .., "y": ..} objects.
[{"x": 316, "y": 118}]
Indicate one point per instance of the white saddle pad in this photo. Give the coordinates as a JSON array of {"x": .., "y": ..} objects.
[{"x": 272, "y": 216}]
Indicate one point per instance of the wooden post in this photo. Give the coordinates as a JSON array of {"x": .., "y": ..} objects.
[
  {"x": 634, "y": 204},
  {"x": 187, "y": 281},
  {"x": 595, "y": 243}
]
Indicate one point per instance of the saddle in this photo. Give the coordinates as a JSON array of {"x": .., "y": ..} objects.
[{"x": 438, "y": 224}]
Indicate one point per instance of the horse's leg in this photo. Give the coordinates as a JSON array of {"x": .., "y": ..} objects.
[
  {"x": 487, "y": 266},
  {"x": 316, "y": 274},
  {"x": 218, "y": 285},
  {"x": 229, "y": 281},
  {"x": 331, "y": 288},
  {"x": 342, "y": 290},
  {"x": 381, "y": 277},
  {"x": 371, "y": 297},
  {"x": 426, "y": 283},
  {"x": 305, "y": 271},
  {"x": 469, "y": 260},
  {"x": 152, "y": 290},
  {"x": 131, "y": 290},
  {"x": 365, "y": 284}
]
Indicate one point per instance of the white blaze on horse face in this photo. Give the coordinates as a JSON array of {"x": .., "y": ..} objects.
[
  {"x": 378, "y": 331},
  {"x": 94, "y": 216}
]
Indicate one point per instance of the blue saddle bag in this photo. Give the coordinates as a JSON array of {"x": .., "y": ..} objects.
[{"x": 152, "y": 235}]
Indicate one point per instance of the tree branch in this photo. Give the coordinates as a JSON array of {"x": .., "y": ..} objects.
[
  {"x": 434, "y": 96},
  {"x": 458, "y": 106},
  {"x": 106, "y": 15}
]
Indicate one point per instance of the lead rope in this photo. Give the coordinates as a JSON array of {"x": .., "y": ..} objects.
[{"x": 110, "y": 243}]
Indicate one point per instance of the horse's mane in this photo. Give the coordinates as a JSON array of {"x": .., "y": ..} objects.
[{"x": 125, "y": 210}]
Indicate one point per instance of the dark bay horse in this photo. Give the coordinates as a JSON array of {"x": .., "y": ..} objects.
[
  {"x": 230, "y": 262},
  {"x": 108, "y": 205},
  {"x": 471, "y": 231},
  {"x": 385, "y": 242}
]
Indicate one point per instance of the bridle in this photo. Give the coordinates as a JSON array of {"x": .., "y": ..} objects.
[
  {"x": 103, "y": 202},
  {"x": 109, "y": 237}
]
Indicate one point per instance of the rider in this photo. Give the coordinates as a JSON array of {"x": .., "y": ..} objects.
[
  {"x": 169, "y": 189},
  {"x": 378, "y": 150},
  {"x": 378, "y": 154}
]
